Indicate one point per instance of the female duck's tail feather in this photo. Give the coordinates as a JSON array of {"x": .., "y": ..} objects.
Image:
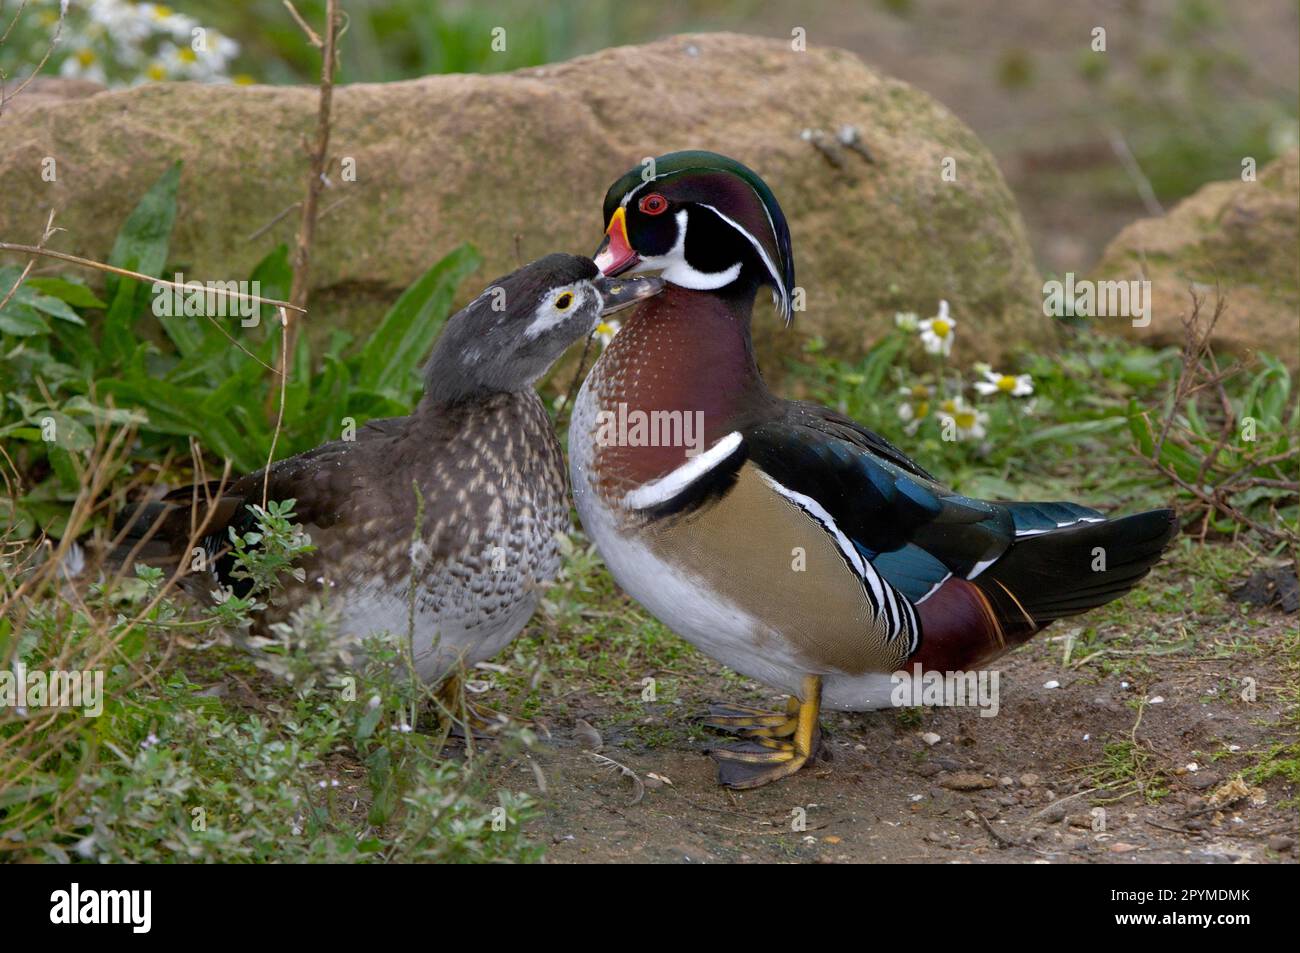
[{"x": 161, "y": 532}]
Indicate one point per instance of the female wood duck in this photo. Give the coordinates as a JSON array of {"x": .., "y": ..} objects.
[
  {"x": 782, "y": 538},
  {"x": 479, "y": 449}
]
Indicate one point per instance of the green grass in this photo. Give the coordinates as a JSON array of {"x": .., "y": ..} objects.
[
  {"x": 1281, "y": 759},
  {"x": 1125, "y": 768},
  {"x": 202, "y": 754}
]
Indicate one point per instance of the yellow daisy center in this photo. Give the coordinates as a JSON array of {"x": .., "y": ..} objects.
[
  {"x": 940, "y": 327},
  {"x": 923, "y": 409},
  {"x": 85, "y": 57},
  {"x": 162, "y": 12},
  {"x": 186, "y": 55},
  {"x": 156, "y": 72},
  {"x": 604, "y": 328},
  {"x": 965, "y": 419},
  {"x": 1006, "y": 382}
]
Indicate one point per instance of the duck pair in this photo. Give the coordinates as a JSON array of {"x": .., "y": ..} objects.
[{"x": 785, "y": 540}]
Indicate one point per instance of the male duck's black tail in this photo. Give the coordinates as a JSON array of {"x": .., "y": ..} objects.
[
  {"x": 1044, "y": 575},
  {"x": 1066, "y": 571}
]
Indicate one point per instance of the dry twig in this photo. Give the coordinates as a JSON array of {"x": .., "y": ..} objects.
[{"x": 1218, "y": 477}]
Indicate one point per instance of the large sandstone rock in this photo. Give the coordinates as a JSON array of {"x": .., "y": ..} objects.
[
  {"x": 518, "y": 164},
  {"x": 1242, "y": 238}
]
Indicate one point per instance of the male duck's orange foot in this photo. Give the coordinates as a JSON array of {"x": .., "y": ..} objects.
[
  {"x": 758, "y": 761},
  {"x": 754, "y": 722},
  {"x": 763, "y": 757}
]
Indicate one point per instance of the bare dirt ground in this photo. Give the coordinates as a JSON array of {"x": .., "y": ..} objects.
[
  {"x": 1013, "y": 788},
  {"x": 1024, "y": 786}
]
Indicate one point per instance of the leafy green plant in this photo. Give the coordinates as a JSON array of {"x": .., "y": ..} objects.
[
  {"x": 1225, "y": 438},
  {"x": 204, "y": 377},
  {"x": 1229, "y": 454},
  {"x": 983, "y": 431},
  {"x": 170, "y": 770}
]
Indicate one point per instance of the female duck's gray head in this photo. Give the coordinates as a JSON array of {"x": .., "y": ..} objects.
[{"x": 511, "y": 334}]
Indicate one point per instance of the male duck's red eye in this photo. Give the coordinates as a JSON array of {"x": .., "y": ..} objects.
[{"x": 654, "y": 204}]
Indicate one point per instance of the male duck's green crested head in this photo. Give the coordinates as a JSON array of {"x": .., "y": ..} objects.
[
  {"x": 510, "y": 335},
  {"x": 705, "y": 221}
]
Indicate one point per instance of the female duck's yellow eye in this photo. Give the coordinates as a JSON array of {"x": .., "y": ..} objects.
[{"x": 563, "y": 301}]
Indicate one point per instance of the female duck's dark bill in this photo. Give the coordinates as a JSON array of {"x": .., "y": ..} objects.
[
  {"x": 615, "y": 254},
  {"x": 619, "y": 293}
]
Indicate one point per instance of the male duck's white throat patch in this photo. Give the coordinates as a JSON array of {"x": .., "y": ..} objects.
[{"x": 674, "y": 267}]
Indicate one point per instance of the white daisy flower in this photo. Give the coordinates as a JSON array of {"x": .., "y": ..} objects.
[
  {"x": 177, "y": 25},
  {"x": 967, "y": 421},
  {"x": 124, "y": 22},
  {"x": 180, "y": 62},
  {"x": 605, "y": 332},
  {"x": 937, "y": 332},
  {"x": 906, "y": 320},
  {"x": 223, "y": 47},
  {"x": 83, "y": 64},
  {"x": 916, "y": 408},
  {"x": 1021, "y": 385}
]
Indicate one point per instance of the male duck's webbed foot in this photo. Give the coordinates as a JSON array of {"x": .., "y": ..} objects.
[
  {"x": 763, "y": 758},
  {"x": 754, "y": 722}
]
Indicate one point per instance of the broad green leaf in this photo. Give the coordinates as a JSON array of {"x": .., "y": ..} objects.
[
  {"x": 67, "y": 433},
  {"x": 64, "y": 469},
  {"x": 878, "y": 362},
  {"x": 27, "y": 296},
  {"x": 141, "y": 246},
  {"x": 54, "y": 307},
  {"x": 1071, "y": 431},
  {"x": 65, "y": 289},
  {"x": 187, "y": 332},
  {"x": 274, "y": 277},
  {"x": 328, "y": 405},
  {"x": 405, "y": 335},
  {"x": 297, "y": 389},
  {"x": 175, "y": 410},
  {"x": 22, "y": 320}
]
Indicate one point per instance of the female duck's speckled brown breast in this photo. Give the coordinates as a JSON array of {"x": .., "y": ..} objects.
[{"x": 489, "y": 477}]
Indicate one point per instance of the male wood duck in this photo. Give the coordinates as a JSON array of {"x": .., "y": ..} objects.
[
  {"x": 488, "y": 467},
  {"x": 782, "y": 538}
]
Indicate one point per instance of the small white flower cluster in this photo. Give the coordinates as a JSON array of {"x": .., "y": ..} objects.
[
  {"x": 119, "y": 42},
  {"x": 966, "y": 421},
  {"x": 605, "y": 332}
]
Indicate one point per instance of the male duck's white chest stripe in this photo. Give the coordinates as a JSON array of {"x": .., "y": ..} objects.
[
  {"x": 660, "y": 491},
  {"x": 883, "y": 597}
]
